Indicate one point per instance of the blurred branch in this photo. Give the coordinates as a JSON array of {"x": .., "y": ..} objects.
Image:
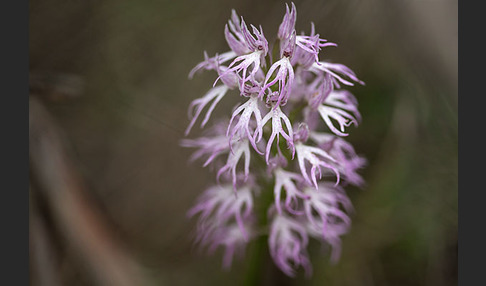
[
  {"x": 55, "y": 86},
  {"x": 43, "y": 255},
  {"x": 74, "y": 215}
]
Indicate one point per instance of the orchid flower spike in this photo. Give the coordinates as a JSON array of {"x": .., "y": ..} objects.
[{"x": 287, "y": 98}]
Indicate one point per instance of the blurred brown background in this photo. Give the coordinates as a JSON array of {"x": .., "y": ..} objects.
[{"x": 110, "y": 79}]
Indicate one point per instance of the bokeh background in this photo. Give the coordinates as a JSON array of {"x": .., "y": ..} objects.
[{"x": 111, "y": 76}]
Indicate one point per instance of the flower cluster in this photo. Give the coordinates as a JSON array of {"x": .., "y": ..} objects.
[{"x": 286, "y": 136}]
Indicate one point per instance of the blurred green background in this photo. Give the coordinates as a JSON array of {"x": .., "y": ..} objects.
[{"x": 125, "y": 128}]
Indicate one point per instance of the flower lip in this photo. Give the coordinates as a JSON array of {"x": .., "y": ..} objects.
[
  {"x": 277, "y": 117},
  {"x": 244, "y": 113},
  {"x": 257, "y": 42},
  {"x": 288, "y": 241},
  {"x": 324, "y": 88},
  {"x": 287, "y": 46},
  {"x": 215, "y": 95},
  {"x": 302, "y": 133},
  {"x": 317, "y": 158}
]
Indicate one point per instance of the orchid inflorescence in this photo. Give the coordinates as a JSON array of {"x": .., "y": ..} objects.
[{"x": 289, "y": 94}]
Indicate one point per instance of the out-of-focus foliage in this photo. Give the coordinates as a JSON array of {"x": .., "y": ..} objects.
[{"x": 134, "y": 57}]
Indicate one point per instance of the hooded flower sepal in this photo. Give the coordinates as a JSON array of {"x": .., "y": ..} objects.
[
  {"x": 234, "y": 35},
  {"x": 258, "y": 46},
  {"x": 287, "y": 27},
  {"x": 319, "y": 89}
]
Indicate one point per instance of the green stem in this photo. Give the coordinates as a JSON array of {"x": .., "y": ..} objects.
[
  {"x": 258, "y": 256},
  {"x": 256, "y": 265}
]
